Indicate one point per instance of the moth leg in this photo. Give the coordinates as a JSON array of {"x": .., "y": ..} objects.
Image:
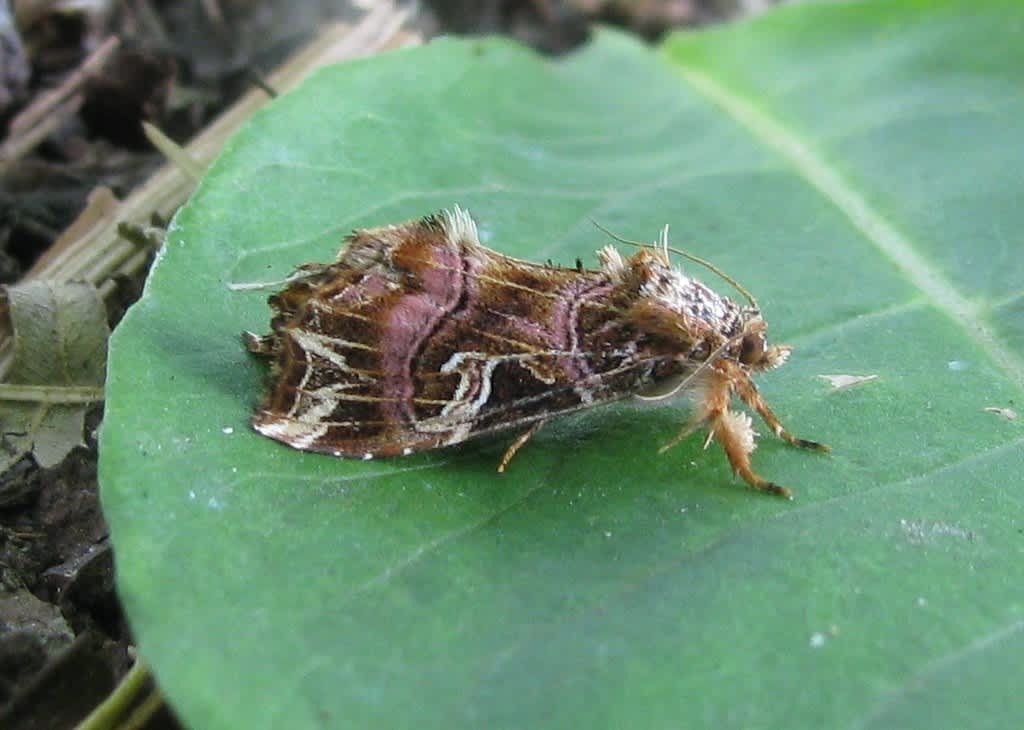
[
  {"x": 733, "y": 431},
  {"x": 714, "y": 403},
  {"x": 750, "y": 395},
  {"x": 519, "y": 443},
  {"x": 683, "y": 435}
]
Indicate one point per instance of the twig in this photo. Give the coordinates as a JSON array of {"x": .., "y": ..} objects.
[
  {"x": 91, "y": 248},
  {"x": 55, "y": 394},
  {"x": 45, "y": 104}
]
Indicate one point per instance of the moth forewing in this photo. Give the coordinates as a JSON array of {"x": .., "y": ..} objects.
[{"x": 417, "y": 337}]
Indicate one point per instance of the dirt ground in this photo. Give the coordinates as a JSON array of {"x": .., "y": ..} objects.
[{"x": 64, "y": 641}]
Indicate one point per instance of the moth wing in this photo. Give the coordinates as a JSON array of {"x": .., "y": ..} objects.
[{"x": 345, "y": 343}]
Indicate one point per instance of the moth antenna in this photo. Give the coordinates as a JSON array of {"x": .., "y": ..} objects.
[
  {"x": 663, "y": 244},
  {"x": 257, "y": 285},
  {"x": 715, "y": 354}
]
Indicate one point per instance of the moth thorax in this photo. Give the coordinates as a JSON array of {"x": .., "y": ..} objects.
[{"x": 681, "y": 293}]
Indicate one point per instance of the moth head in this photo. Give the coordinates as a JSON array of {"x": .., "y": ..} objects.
[{"x": 752, "y": 349}]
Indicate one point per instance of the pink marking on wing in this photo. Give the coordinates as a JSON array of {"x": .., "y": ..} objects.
[
  {"x": 566, "y": 323},
  {"x": 412, "y": 319},
  {"x": 562, "y": 331},
  {"x": 566, "y": 314},
  {"x": 371, "y": 287}
]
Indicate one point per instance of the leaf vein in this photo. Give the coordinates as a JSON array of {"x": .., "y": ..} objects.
[
  {"x": 917, "y": 680},
  {"x": 879, "y": 231}
]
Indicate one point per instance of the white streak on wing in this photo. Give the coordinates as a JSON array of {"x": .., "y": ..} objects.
[
  {"x": 320, "y": 346},
  {"x": 317, "y": 307},
  {"x": 469, "y": 366},
  {"x": 320, "y": 404},
  {"x": 452, "y": 365},
  {"x": 301, "y": 389},
  {"x": 298, "y": 434},
  {"x": 485, "y": 387},
  {"x": 458, "y": 413},
  {"x": 324, "y": 347},
  {"x": 459, "y": 406},
  {"x": 459, "y": 434},
  {"x": 302, "y": 429}
]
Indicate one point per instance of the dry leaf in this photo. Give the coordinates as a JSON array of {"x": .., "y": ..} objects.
[{"x": 60, "y": 346}]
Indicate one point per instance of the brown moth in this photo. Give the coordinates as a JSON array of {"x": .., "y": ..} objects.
[{"x": 418, "y": 337}]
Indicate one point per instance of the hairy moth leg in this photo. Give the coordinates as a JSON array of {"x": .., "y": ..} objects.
[
  {"x": 736, "y": 435},
  {"x": 519, "y": 443},
  {"x": 732, "y": 430},
  {"x": 750, "y": 395}
]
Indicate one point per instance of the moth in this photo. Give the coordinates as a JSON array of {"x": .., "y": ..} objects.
[{"x": 417, "y": 337}]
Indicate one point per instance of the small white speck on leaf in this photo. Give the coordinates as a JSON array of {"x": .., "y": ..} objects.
[
  {"x": 957, "y": 365},
  {"x": 228, "y": 430},
  {"x": 1008, "y": 413},
  {"x": 843, "y": 381},
  {"x": 818, "y": 638}
]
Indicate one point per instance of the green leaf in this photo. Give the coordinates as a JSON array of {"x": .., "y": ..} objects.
[
  {"x": 59, "y": 360},
  {"x": 857, "y": 166}
]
